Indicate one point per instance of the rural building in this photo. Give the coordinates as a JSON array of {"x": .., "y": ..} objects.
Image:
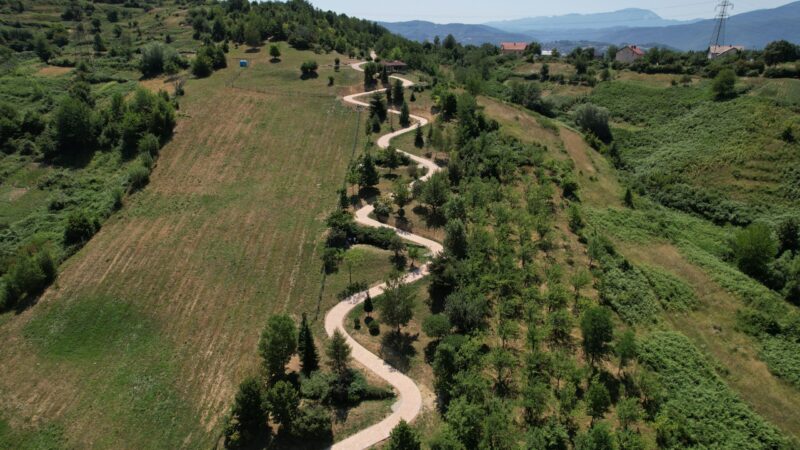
[
  {"x": 395, "y": 66},
  {"x": 513, "y": 47},
  {"x": 717, "y": 51},
  {"x": 629, "y": 54}
]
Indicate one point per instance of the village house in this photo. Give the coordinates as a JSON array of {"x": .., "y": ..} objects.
[
  {"x": 513, "y": 47},
  {"x": 629, "y": 54},
  {"x": 395, "y": 66},
  {"x": 718, "y": 51}
]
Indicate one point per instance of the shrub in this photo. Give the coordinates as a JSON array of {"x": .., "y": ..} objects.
[
  {"x": 594, "y": 119},
  {"x": 138, "y": 177},
  {"x": 331, "y": 258},
  {"x": 382, "y": 209},
  {"x": 754, "y": 249},
  {"x": 201, "y": 67},
  {"x": 28, "y": 275},
  {"x": 374, "y": 327},
  {"x": 352, "y": 289},
  {"x": 155, "y": 58},
  {"x": 79, "y": 228},
  {"x": 148, "y": 144},
  {"x": 309, "y": 69},
  {"x": 74, "y": 127},
  {"x": 313, "y": 423},
  {"x": 146, "y": 160},
  {"x": 724, "y": 85}
]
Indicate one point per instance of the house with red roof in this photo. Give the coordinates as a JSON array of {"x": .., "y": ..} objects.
[
  {"x": 513, "y": 47},
  {"x": 629, "y": 54}
]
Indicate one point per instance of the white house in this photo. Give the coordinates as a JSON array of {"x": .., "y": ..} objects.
[{"x": 718, "y": 51}]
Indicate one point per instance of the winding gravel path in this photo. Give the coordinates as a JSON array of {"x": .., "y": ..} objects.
[{"x": 409, "y": 400}]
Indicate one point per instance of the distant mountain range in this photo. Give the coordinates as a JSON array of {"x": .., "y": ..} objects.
[
  {"x": 625, "y": 18},
  {"x": 419, "y": 30},
  {"x": 630, "y": 26}
]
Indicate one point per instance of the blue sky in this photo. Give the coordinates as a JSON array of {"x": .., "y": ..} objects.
[{"x": 466, "y": 11}]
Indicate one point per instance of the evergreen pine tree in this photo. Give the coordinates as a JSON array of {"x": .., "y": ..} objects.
[
  {"x": 384, "y": 75},
  {"x": 368, "y": 306},
  {"x": 398, "y": 92},
  {"x": 309, "y": 359},
  {"x": 369, "y": 174},
  {"x": 419, "y": 141},
  {"x": 629, "y": 198},
  {"x": 405, "y": 116},
  {"x": 377, "y": 107}
]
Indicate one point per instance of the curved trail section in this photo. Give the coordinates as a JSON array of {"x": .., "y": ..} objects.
[{"x": 409, "y": 401}]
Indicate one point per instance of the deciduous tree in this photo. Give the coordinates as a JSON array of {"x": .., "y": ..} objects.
[
  {"x": 397, "y": 307},
  {"x": 275, "y": 52},
  {"x": 284, "y": 403},
  {"x": 754, "y": 248},
  {"x": 405, "y": 117},
  {"x": 724, "y": 84},
  {"x": 403, "y": 437},
  {"x": 598, "y": 331},
  {"x": 338, "y": 352},
  {"x": 277, "y": 345}
]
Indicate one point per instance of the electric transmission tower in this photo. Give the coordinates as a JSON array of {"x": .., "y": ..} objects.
[{"x": 723, "y": 11}]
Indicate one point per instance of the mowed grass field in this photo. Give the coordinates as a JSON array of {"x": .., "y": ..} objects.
[{"x": 148, "y": 330}]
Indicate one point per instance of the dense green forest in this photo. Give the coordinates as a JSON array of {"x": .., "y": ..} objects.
[{"x": 557, "y": 316}]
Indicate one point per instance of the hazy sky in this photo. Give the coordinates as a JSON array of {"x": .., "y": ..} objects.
[{"x": 471, "y": 11}]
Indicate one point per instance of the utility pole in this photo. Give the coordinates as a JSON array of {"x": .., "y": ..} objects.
[{"x": 723, "y": 11}]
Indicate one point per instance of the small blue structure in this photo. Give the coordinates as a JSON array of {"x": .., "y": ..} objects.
[{"x": 243, "y": 63}]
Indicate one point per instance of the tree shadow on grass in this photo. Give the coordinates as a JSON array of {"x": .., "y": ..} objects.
[
  {"x": 430, "y": 351},
  {"x": 309, "y": 76},
  {"x": 369, "y": 193},
  {"x": 611, "y": 383},
  {"x": 253, "y": 50},
  {"x": 432, "y": 219},
  {"x": 397, "y": 349},
  {"x": 71, "y": 159},
  {"x": 274, "y": 60},
  {"x": 402, "y": 223}
]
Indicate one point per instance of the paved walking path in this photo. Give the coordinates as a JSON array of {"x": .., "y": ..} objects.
[{"x": 409, "y": 400}]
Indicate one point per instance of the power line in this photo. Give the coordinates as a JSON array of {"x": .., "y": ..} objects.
[{"x": 718, "y": 37}]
